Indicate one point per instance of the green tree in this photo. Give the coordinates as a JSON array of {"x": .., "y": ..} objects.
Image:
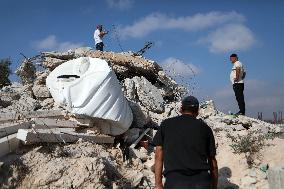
[{"x": 5, "y": 71}]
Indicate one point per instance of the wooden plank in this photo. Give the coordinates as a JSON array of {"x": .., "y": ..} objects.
[
  {"x": 46, "y": 123},
  {"x": 8, "y": 144},
  {"x": 11, "y": 128},
  {"x": 66, "y": 135}
]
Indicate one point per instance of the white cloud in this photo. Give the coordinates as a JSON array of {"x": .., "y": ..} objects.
[
  {"x": 231, "y": 37},
  {"x": 175, "y": 67},
  {"x": 158, "y": 21},
  {"x": 51, "y": 43},
  {"x": 120, "y": 4}
]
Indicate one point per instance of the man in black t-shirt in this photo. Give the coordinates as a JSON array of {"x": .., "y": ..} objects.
[{"x": 185, "y": 146}]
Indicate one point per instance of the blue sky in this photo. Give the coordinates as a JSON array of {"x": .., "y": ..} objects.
[{"x": 200, "y": 34}]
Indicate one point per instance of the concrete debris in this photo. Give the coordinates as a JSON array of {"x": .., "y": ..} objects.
[
  {"x": 26, "y": 72},
  {"x": 140, "y": 89},
  {"x": 12, "y": 128},
  {"x": 149, "y": 95},
  {"x": 25, "y": 103},
  {"x": 80, "y": 165},
  {"x": 208, "y": 109},
  {"x": 51, "y": 123},
  {"x": 47, "y": 103},
  {"x": 8, "y": 144},
  {"x": 41, "y": 91},
  {"x": 51, "y": 63},
  {"x": 29, "y": 113},
  {"x": 41, "y": 77},
  {"x": 59, "y": 135}
]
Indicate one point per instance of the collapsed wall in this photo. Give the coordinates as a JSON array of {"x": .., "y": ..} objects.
[{"x": 152, "y": 95}]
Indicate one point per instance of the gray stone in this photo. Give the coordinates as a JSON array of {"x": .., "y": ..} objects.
[
  {"x": 140, "y": 115},
  {"x": 41, "y": 77},
  {"x": 41, "y": 91},
  {"x": 129, "y": 90},
  {"x": 276, "y": 177},
  {"x": 208, "y": 109},
  {"x": 47, "y": 103},
  {"x": 149, "y": 95}
]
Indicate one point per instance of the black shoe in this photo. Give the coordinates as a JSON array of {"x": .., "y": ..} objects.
[{"x": 240, "y": 113}]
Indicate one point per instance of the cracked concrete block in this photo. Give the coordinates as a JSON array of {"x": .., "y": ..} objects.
[{"x": 149, "y": 95}]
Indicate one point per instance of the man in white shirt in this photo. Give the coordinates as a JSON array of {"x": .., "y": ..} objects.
[
  {"x": 98, "y": 36},
  {"x": 237, "y": 80}
]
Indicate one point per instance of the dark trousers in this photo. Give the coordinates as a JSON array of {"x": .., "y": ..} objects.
[
  {"x": 179, "y": 181},
  {"x": 239, "y": 93},
  {"x": 100, "y": 46}
]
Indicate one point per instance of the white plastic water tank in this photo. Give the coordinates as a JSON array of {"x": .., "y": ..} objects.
[{"x": 88, "y": 86}]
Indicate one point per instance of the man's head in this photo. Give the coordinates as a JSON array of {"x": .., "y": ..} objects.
[
  {"x": 100, "y": 27},
  {"x": 234, "y": 58},
  {"x": 190, "y": 105}
]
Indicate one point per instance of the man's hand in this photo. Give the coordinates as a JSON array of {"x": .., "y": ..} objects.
[
  {"x": 213, "y": 172},
  {"x": 159, "y": 187},
  {"x": 158, "y": 167}
]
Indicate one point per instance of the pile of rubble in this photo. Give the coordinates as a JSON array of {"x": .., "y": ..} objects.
[{"x": 29, "y": 113}]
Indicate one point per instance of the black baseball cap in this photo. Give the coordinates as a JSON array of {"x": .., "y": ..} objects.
[{"x": 190, "y": 101}]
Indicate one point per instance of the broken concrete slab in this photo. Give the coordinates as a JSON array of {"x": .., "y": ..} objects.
[
  {"x": 11, "y": 128},
  {"x": 47, "y": 123},
  {"x": 148, "y": 94},
  {"x": 59, "y": 55},
  {"x": 59, "y": 135},
  {"x": 32, "y": 114},
  {"x": 8, "y": 144}
]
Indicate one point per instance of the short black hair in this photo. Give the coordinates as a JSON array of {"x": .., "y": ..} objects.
[
  {"x": 191, "y": 109},
  {"x": 234, "y": 55}
]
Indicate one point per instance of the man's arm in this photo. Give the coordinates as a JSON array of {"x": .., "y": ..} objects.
[
  {"x": 238, "y": 73},
  {"x": 102, "y": 34},
  {"x": 158, "y": 167},
  {"x": 213, "y": 172}
]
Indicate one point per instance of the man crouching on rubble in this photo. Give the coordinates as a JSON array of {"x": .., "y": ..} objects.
[{"x": 186, "y": 147}]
